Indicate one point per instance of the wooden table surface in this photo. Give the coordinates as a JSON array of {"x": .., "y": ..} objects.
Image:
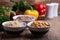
[{"x": 53, "y": 34}]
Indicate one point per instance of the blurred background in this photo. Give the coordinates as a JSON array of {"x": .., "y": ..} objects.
[{"x": 9, "y": 3}]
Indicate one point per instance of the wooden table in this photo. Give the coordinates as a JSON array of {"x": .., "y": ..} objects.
[{"x": 53, "y": 34}]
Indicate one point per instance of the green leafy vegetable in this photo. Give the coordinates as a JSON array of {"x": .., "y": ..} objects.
[
  {"x": 3, "y": 17},
  {"x": 22, "y": 6},
  {"x": 3, "y": 9}
]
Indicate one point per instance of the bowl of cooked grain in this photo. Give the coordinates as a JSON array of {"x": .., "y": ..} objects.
[
  {"x": 39, "y": 27},
  {"x": 14, "y": 27},
  {"x": 24, "y": 18}
]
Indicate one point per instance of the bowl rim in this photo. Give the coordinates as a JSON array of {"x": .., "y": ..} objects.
[
  {"x": 15, "y": 17},
  {"x": 12, "y": 27}
]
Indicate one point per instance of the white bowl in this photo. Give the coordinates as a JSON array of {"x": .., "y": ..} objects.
[
  {"x": 13, "y": 28},
  {"x": 32, "y": 18},
  {"x": 37, "y": 31}
]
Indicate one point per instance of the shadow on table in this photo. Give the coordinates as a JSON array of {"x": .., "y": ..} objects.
[{"x": 26, "y": 36}]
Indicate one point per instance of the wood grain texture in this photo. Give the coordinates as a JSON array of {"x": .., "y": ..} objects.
[{"x": 53, "y": 34}]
